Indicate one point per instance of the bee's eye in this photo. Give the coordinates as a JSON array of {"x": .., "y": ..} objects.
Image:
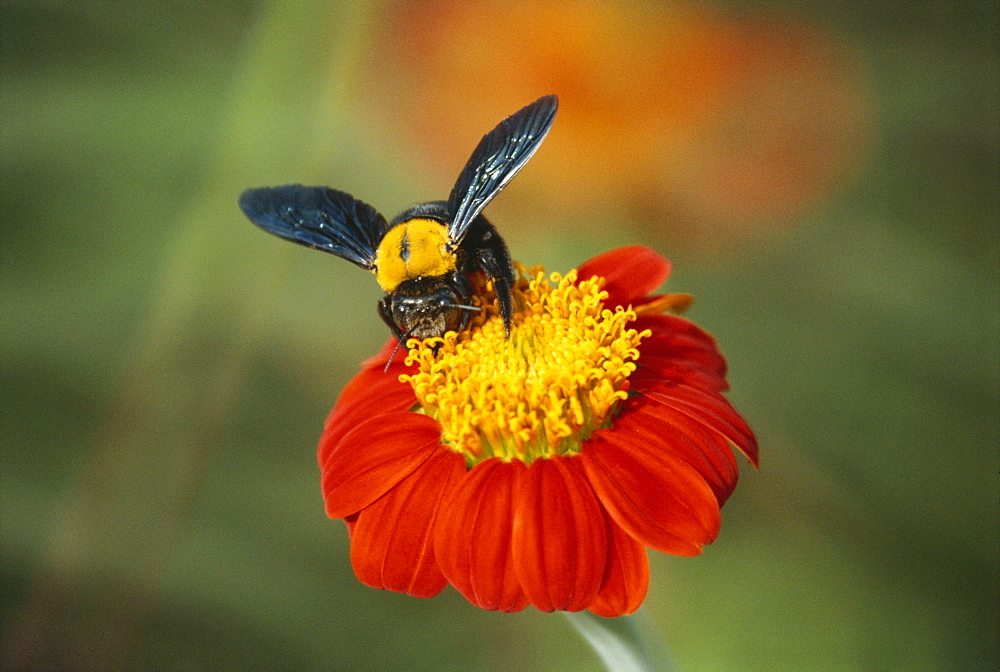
[{"x": 442, "y": 297}]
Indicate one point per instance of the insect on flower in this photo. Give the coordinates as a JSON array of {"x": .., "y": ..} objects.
[
  {"x": 529, "y": 449},
  {"x": 424, "y": 258},
  {"x": 537, "y": 467}
]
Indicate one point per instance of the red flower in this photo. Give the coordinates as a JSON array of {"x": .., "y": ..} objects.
[
  {"x": 620, "y": 440},
  {"x": 710, "y": 127}
]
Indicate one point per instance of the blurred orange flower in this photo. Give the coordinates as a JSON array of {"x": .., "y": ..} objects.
[
  {"x": 697, "y": 125},
  {"x": 537, "y": 468}
]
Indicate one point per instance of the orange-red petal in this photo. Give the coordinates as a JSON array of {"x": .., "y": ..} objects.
[
  {"x": 371, "y": 392},
  {"x": 701, "y": 447},
  {"x": 559, "y": 541},
  {"x": 707, "y": 409},
  {"x": 391, "y": 544},
  {"x": 372, "y": 458},
  {"x": 677, "y": 349},
  {"x": 627, "y": 576},
  {"x": 630, "y": 273},
  {"x": 472, "y": 536},
  {"x": 654, "y": 494}
]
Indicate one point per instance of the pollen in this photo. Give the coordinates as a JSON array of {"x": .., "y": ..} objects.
[{"x": 543, "y": 390}]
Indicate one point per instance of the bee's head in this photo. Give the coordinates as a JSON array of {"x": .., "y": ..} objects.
[
  {"x": 430, "y": 314},
  {"x": 429, "y": 307}
]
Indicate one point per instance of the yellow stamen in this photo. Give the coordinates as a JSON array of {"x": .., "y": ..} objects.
[{"x": 540, "y": 392}]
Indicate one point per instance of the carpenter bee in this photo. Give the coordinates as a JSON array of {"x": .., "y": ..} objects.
[{"x": 424, "y": 257}]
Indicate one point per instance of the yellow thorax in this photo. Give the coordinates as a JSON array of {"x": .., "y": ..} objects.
[{"x": 415, "y": 248}]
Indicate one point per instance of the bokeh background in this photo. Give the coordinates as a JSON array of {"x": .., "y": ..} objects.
[{"x": 823, "y": 175}]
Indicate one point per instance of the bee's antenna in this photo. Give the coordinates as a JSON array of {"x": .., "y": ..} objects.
[
  {"x": 402, "y": 339},
  {"x": 463, "y": 307}
]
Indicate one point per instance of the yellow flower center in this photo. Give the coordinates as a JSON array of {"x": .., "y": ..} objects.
[{"x": 543, "y": 390}]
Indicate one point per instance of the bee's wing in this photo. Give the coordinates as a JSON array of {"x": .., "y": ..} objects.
[
  {"x": 318, "y": 217},
  {"x": 497, "y": 158}
]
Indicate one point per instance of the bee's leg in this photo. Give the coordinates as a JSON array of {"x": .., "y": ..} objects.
[
  {"x": 460, "y": 285},
  {"x": 501, "y": 272},
  {"x": 385, "y": 312},
  {"x": 503, "y": 289}
]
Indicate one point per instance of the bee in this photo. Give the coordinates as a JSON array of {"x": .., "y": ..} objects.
[{"x": 422, "y": 259}]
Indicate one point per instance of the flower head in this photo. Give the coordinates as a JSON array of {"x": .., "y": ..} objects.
[
  {"x": 539, "y": 391},
  {"x": 537, "y": 468}
]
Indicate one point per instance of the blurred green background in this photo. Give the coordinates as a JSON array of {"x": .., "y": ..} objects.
[{"x": 823, "y": 175}]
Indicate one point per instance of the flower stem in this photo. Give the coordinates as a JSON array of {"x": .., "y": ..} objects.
[{"x": 624, "y": 644}]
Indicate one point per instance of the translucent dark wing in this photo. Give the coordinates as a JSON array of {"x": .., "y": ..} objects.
[
  {"x": 318, "y": 217},
  {"x": 500, "y": 154}
]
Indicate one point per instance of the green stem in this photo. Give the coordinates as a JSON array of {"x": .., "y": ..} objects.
[{"x": 624, "y": 644}]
